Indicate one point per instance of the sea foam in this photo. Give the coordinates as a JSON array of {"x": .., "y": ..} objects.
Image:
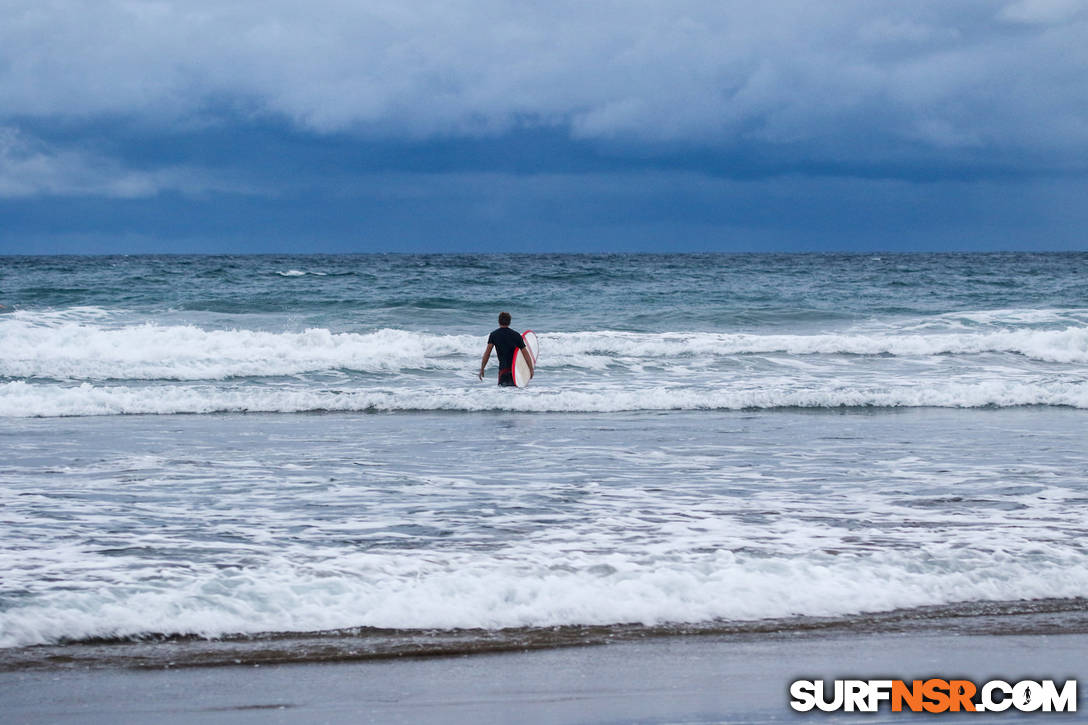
[
  {"x": 463, "y": 591},
  {"x": 70, "y": 351},
  {"x": 81, "y": 351},
  {"x": 21, "y": 399}
]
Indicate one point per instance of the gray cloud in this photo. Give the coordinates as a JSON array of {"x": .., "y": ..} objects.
[
  {"x": 836, "y": 80},
  {"x": 29, "y": 167}
]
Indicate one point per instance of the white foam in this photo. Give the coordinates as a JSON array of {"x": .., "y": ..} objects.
[
  {"x": 212, "y": 370},
  {"x": 78, "y": 313},
  {"x": 21, "y": 399},
  {"x": 1068, "y": 345},
  {"x": 63, "y": 349},
  {"x": 301, "y": 273},
  {"x": 466, "y": 591},
  {"x": 185, "y": 352}
]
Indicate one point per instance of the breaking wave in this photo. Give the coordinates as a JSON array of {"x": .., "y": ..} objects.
[
  {"x": 83, "y": 361},
  {"x": 21, "y": 399},
  {"x": 472, "y": 591},
  {"x": 79, "y": 351}
]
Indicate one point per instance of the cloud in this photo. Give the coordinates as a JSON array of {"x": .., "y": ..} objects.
[
  {"x": 30, "y": 167},
  {"x": 1043, "y": 11},
  {"x": 836, "y": 80}
]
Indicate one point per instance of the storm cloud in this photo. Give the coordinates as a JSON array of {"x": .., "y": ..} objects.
[{"x": 922, "y": 91}]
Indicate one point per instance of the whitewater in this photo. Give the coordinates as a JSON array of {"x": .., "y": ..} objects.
[
  {"x": 245, "y": 447},
  {"x": 99, "y": 366}
]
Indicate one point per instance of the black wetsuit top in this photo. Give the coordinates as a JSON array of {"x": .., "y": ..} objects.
[{"x": 506, "y": 341}]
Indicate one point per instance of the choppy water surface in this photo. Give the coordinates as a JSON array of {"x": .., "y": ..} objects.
[{"x": 711, "y": 442}]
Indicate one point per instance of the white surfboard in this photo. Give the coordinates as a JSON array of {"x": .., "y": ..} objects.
[{"x": 520, "y": 367}]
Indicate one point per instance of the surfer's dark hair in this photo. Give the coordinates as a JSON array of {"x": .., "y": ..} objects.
[{"x": 504, "y": 318}]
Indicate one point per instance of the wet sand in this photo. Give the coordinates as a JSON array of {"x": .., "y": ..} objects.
[{"x": 692, "y": 679}]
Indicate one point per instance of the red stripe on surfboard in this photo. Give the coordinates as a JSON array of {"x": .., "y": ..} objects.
[
  {"x": 527, "y": 345},
  {"x": 514, "y": 366}
]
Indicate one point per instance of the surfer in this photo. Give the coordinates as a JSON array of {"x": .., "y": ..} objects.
[{"x": 505, "y": 341}]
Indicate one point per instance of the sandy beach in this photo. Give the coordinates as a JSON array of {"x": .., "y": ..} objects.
[{"x": 695, "y": 679}]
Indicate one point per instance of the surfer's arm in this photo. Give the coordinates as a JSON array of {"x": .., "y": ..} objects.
[{"x": 487, "y": 356}]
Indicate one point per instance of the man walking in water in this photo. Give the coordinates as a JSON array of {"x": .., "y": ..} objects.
[{"x": 506, "y": 341}]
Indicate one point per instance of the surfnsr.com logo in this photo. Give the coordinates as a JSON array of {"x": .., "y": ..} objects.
[{"x": 933, "y": 695}]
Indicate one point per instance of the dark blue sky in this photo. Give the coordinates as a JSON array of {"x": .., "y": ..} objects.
[{"x": 490, "y": 126}]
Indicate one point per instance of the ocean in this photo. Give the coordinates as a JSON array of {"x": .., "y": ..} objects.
[{"x": 217, "y": 459}]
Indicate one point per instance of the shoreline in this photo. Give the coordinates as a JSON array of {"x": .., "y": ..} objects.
[
  {"x": 1041, "y": 617},
  {"x": 700, "y": 679}
]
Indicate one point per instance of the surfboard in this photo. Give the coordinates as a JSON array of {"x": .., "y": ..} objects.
[{"x": 520, "y": 368}]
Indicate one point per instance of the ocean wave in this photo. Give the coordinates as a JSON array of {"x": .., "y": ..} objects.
[
  {"x": 185, "y": 352},
  {"x": 22, "y": 399},
  {"x": 66, "y": 350},
  {"x": 464, "y": 591},
  {"x": 301, "y": 273},
  {"x": 1069, "y": 345}
]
